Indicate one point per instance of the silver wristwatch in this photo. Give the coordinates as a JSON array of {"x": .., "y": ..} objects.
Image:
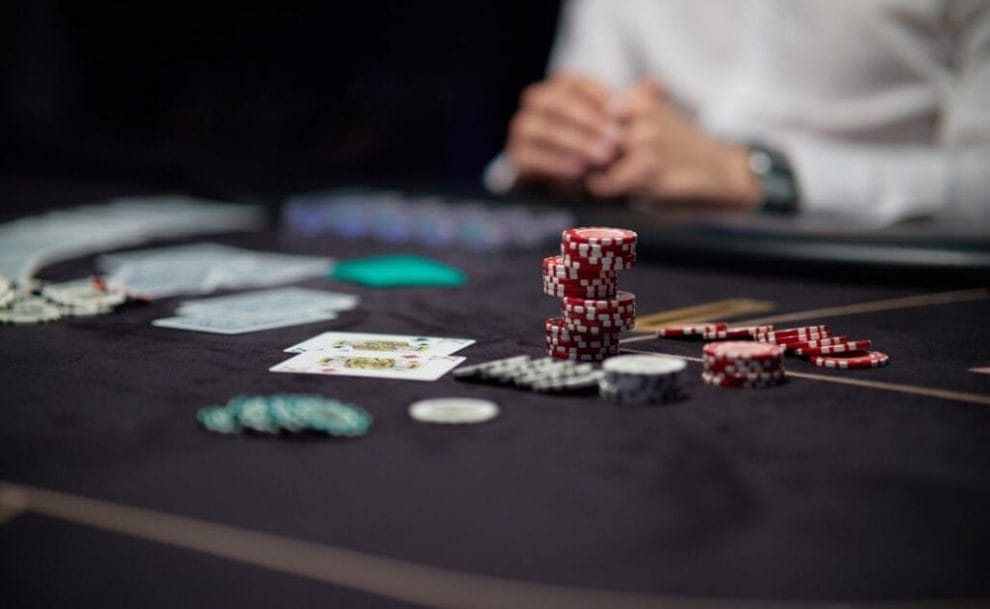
[{"x": 777, "y": 182}]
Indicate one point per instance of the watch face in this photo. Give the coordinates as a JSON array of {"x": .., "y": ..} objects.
[
  {"x": 776, "y": 180},
  {"x": 760, "y": 162}
]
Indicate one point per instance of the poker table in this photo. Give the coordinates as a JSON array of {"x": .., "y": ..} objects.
[{"x": 859, "y": 487}]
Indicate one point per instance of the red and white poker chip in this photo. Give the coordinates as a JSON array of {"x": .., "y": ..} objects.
[
  {"x": 743, "y": 350},
  {"x": 606, "y": 263},
  {"x": 553, "y": 266},
  {"x": 561, "y": 291},
  {"x": 579, "y": 357},
  {"x": 751, "y": 381},
  {"x": 603, "y": 341},
  {"x": 819, "y": 342},
  {"x": 742, "y": 365},
  {"x": 784, "y": 334},
  {"x": 735, "y": 333},
  {"x": 589, "y": 282},
  {"x": 599, "y": 235},
  {"x": 622, "y": 299},
  {"x": 691, "y": 330},
  {"x": 852, "y": 360},
  {"x": 617, "y": 312},
  {"x": 592, "y": 327},
  {"x": 603, "y": 318},
  {"x": 844, "y": 347},
  {"x": 589, "y": 250}
]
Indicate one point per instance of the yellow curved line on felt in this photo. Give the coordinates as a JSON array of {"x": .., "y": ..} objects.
[{"x": 404, "y": 581}]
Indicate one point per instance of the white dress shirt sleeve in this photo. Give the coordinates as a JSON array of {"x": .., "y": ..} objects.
[
  {"x": 590, "y": 42},
  {"x": 949, "y": 178}
]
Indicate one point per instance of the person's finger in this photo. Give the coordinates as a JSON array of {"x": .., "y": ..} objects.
[
  {"x": 631, "y": 174},
  {"x": 536, "y": 129},
  {"x": 559, "y": 102},
  {"x": 592, "y": 91},
  {"x": 645, "y": 133},
  {"x": 536, "y": 162},
  {"x": 636, "y": 101},
  {"x": 651, "y": 88}
]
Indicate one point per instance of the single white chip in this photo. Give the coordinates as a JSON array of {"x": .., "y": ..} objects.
[
  {"x": 7, "y": 291},
  {"x": 644, "y": 364},
  {"x": 453, "y": 410}
]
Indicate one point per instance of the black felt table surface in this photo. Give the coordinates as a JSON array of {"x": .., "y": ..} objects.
[{"x": 810, "y": 490}]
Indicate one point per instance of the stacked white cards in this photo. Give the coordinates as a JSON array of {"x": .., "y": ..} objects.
[{"x": 201, "y": 268}]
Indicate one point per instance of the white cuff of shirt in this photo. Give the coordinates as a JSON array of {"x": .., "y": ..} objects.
[
  {"x": 500, "y": 175},
  {"x": 884, "y": 185}
]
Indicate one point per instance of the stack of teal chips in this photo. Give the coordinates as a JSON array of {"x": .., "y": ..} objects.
[{"x": 291, "y": 413}]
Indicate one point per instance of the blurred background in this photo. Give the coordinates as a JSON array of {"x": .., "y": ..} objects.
[{"x": 263, "y": 99}]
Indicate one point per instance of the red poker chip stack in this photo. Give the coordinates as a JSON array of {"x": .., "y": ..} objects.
[
  {"x": 585, "y": 279},
  {"x": 743, "y": 364}
]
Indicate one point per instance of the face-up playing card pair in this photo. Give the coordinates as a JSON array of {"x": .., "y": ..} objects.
[{"x": 420, "y": 358}]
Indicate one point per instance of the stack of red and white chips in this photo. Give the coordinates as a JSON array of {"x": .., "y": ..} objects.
[
  {"x": 585, "y": 278},
  {"x": 743, "y": 364}
]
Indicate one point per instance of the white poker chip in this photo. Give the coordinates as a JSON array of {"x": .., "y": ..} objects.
[
  {"x": 7, "y": 291},
  {"x": 29, "y": 310},
  {"x": 493, "y": 368},
  {"x": 453, "y": 410},
  {"x": 641, "y": 379},
  {"x": 644, "y": 365}
]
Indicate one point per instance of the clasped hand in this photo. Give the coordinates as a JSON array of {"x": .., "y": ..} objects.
[{"x": 575, "y": 134}]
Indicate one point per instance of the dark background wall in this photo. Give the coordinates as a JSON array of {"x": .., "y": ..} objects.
[{"x": 264, "y": 97}]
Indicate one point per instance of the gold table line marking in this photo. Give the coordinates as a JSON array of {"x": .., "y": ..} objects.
[
  {"x": 719, "y": 309},
  {"x": 876, "y": 306},
  {"x": 405, "y": 581},
  {"x": 945, "y": 394}
]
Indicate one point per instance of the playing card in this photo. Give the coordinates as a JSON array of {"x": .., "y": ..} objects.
[
  {"x": 241, "y": 325},
  {"x": 204, "y": 267},
  {"x": 206, "y": 254},
  {"x": 159, "y": 278},
  {"x": 27, "y": 244},
  {"x": 385, "y": 344},
  {"x": 266, "y": 303},
  {"x": 370, "y": 364}
]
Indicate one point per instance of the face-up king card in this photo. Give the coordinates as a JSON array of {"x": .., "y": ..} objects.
[
  {"x": 384, "y": 344},
  {"x": 370, "y": 364}
]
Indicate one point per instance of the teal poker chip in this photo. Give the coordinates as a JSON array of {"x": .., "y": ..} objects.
[
  {"x": 253, "y": 413},
  {"x": 330, "y": 416},
  {"x": 283, "y": 411},
  {"x": 218, "y": 419}
]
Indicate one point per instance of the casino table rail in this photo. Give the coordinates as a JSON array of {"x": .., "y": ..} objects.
[{"x": 930, "y": 252}]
